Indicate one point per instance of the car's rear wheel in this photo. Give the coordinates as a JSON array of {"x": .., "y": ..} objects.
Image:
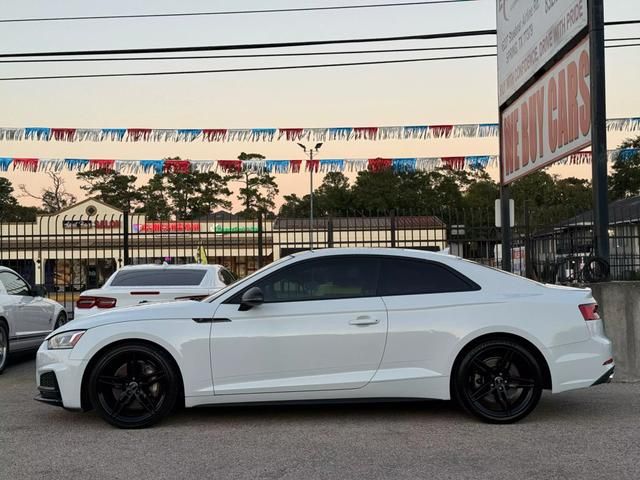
[
  {"x": 4, "y": 347},
  {"x": 499, "y": 381},
  {"x": 133, "y": 386}
]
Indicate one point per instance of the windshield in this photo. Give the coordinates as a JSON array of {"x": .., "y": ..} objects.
[{"x": 247, "y": 278}]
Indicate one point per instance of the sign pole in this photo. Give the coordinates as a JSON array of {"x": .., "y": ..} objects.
[
  {"x": 505, "y": 215},
  {"x": 599, "y": 129}
]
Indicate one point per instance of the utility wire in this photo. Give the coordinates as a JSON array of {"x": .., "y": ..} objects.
[
  {"x": 249, "y": 46},
  {"x": 234, "y": 12},
  {"x": 272, "y": 55},
  {"x": 263, "y": 69},
  {"x": 256, "y": 46},
  {"x": 254, "y": 69},
  {"x": 252, "y": 55}
]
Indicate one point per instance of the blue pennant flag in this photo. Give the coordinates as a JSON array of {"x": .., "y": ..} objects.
[
  {"x": 75, "y": 163},
  {"x": 189, "y": 134},
  {"x": 477, "y": 162},
  {"x": 332, "y": 165},
  {"x": 404, "y": 164},
  {"x": 156, "y": 165},
  {"x": 627, "y": 154},
  {"x": 277, "y": 166},
  {"x": 37, "y": 133},
  {"x": 4, "y": 163}
]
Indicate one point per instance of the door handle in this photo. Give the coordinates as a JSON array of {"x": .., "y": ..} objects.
[{"x": 364, "y": 320}]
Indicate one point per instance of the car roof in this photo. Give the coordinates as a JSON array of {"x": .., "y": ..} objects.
[
  {"x": 397, "y": 252},
  {"x": 190, "y": 266}
]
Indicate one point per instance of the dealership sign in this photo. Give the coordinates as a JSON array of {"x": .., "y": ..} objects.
[
  {"x": 191, "y": 227},
  {"x": 551, "y": 120},
  {"x": 530, "y": 33},
  {"x": 84, "y": 224}
]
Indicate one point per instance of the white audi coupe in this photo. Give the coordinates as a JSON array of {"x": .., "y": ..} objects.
[{"x": 335, "y": 324}]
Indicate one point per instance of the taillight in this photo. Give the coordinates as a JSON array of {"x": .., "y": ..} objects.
[
  {"x": 589, "y": 311},
  {"x": 100, "y": 302}
]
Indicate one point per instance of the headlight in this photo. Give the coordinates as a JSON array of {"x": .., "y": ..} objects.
[{"x": 65, "y": 340}]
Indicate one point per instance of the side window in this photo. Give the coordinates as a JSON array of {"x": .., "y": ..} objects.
[
  {"x": 227, "y": 277},
  {"x": 14, "y": 285},
  {"x": 415, "y": 277},
  {"x": 323, "y": 279}
]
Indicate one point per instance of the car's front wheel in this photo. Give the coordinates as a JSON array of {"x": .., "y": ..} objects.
[
  {"x": 133, "y": 386},
  {"x": 498, "y": 381},
  {"x": 61, "y": 320},
  {"x": 4, "y": 347}
]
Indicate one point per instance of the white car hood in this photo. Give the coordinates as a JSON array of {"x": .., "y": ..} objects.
[{"x": 156, "y": 311}]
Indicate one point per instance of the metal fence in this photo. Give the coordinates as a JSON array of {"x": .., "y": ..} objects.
[{"x": 71, "y": 253}]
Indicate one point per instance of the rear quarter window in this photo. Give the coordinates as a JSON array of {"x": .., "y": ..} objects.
[
  {"x": 159, "y": 278},
  {"x": 418, "y": 277}
]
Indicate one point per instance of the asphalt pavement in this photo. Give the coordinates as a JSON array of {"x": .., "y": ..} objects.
[{"x": 588, "y": 434}]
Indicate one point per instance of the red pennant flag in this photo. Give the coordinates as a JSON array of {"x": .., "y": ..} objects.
[
  {"x": 102, "y": 164},
  {"x": 63, "y": 134},
  {"x": 441, "y": 131},
  {"x": 138, "y": 134},
  {"x": 454, "y": 163},
  {"x": 214, "y": 134},
  {"x": 291, "y": 134},
  {"x": 231, "y": 166},
  {"x": 177, "y": 166},
  {"x": 366, "y": 133},
  {"x": 26, "y": 164},
  {"x": 295, "y": 166},
  {"x": 380, "y": 164},
  {"x": 313, "y": 165}
]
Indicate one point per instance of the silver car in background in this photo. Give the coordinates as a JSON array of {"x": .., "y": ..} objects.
[{"x": 26, "y": 317}]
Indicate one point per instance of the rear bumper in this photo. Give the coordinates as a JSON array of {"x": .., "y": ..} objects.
[{"x": 605, "y": 378}]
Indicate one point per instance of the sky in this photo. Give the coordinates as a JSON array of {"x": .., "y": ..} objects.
[{"x": 444, "y": 92}]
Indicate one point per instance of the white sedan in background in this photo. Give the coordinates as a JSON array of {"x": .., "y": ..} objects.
[
  {"x": 26, "y": 317},
  {"x": 335, "y": 324},
  {"x": 141, "y": 284}
]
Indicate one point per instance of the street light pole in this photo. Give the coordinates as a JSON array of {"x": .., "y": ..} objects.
[
  {"x": 311, "y": 152},
  {"x": 311, "y": 202}
]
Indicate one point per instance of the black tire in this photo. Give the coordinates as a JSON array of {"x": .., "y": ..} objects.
[
  {"x": 4, "y": 346},
  {"x": 498, "y": 381},
  {"x": 61, "y": 320},
  {"x": 133, "y": 386}
]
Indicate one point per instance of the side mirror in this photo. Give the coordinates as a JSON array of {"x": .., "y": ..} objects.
[
  {"x": 251, "y": 298},
  {"x": 39, "y": 291}
]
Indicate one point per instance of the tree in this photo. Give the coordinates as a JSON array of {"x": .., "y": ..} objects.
[
  {"x": 184, "y": 196},
  {"x": 624, "y": 181},
  {"x": 258, "y": 190},
  {"x": 294, "y": 206},
  {"x": 10, "y": 210},
  {"x": 334, "y": 195},
  {"x": 54, "y": 198},
  {"x": 112, "y": 188}
]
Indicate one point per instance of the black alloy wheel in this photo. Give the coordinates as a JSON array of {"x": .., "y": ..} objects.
[
  {"x": 4, "y": 347},
  {"x": 498, "y": 381},
  {"x": 133, "y": 386}
]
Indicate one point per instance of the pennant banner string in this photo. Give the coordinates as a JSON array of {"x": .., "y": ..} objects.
[
  {"x": 398, "y": 165},
  {"x": 370, "y": 133}
]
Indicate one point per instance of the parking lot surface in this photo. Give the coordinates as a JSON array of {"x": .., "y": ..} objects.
[{"x": 588, "y": 434}]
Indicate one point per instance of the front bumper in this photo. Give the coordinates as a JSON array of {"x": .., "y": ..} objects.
[{"x": 59, "y": 378}]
